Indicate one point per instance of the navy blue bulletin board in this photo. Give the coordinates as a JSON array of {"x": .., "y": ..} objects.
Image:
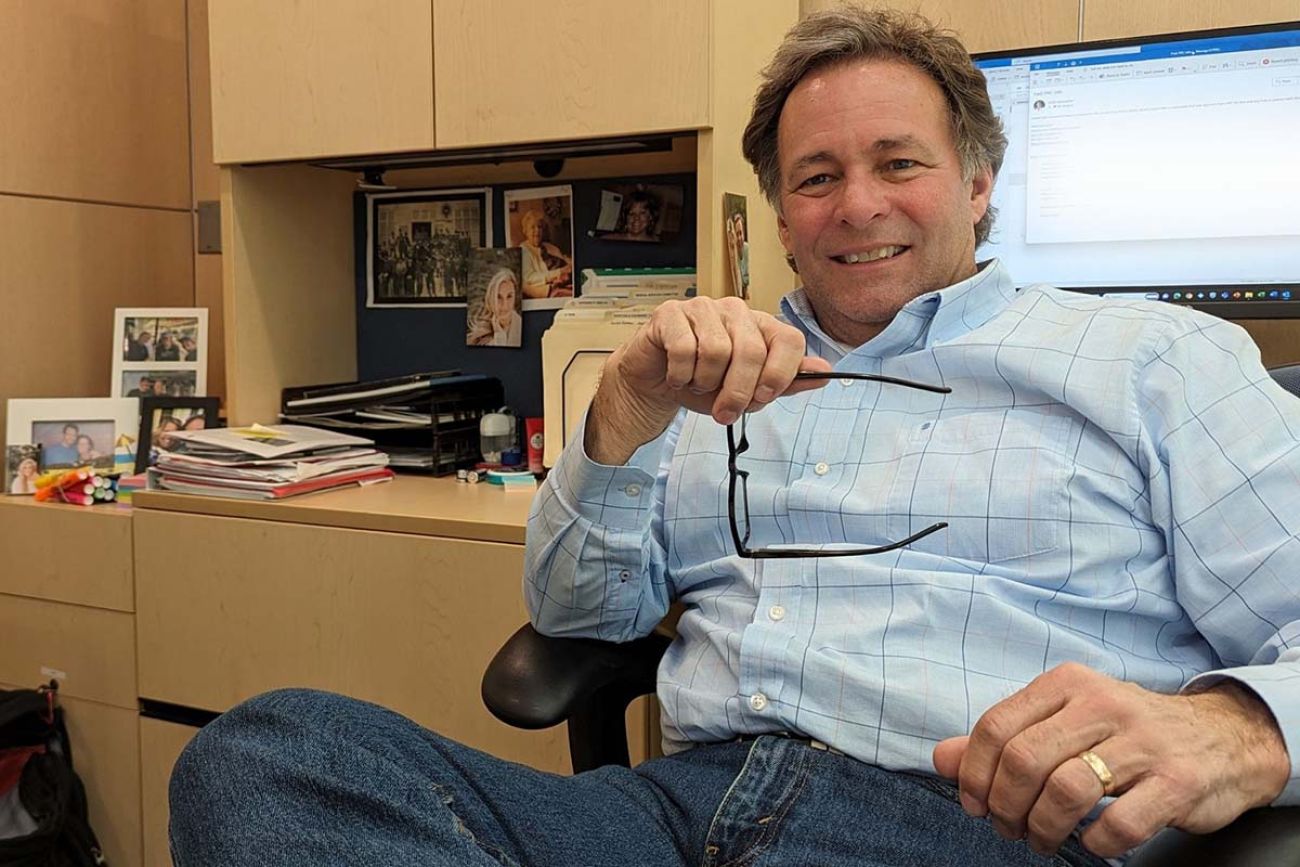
[{"x": 392, "y": 342}]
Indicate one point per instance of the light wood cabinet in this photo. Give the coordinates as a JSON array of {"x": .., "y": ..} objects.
[
  {"x": 406, "y": 621},
  {"x": 518, "y": 71},
  {"x": 984, "y": 26},
  {"x": 1116, "y": 19},
  {"x": 326, "y": 78},
  {"x": 161, "y": 744},
  {"x": 30, "y": 531}
]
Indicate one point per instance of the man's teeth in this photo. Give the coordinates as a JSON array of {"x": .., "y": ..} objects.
[{"x": 882, "y": 253}]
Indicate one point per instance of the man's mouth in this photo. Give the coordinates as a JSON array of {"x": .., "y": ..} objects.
[{"x": 875, "y": 255}]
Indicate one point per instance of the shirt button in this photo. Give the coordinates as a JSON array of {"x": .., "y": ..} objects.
[
  {"x": 822, "y": 468},
  {"x": 847, "y": 381},
  {"x": 624, "y": 574},
  {"x": 633, "y": 490},
  {"x": 776, "y": 612},
  {"x": 758, "y": 701}
]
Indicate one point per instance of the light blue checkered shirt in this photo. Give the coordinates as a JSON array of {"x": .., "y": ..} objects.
[{"x": 1122, "y": 484}]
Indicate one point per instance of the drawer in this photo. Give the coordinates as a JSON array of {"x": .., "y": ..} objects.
[
  {"x": 160, "y": 746},
  {"x": 67, "y": 553},
  {"x": 409, "y": 622},
  {"x": 106, "y": 755},
  {"x": 90, "y": 650}
]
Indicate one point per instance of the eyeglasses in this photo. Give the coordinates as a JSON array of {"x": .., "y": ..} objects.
[{"x": 738, "y": 479}]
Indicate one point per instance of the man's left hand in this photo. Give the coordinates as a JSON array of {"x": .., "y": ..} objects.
[{"x": 1194, "y": 762}]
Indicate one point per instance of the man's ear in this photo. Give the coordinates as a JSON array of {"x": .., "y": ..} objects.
[
  {"x": 783, "y": 232},
  {"x": 981, "y": 190}
]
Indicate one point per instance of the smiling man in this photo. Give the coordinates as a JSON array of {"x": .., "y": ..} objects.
[{"x": 1083, "y": 512}]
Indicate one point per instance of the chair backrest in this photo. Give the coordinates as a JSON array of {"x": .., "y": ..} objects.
[{"x": 1287, "y": 376}]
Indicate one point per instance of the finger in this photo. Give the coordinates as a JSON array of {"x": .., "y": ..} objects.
[
  {"x": 1131, "y": 819},
  {"x": 947, "y": 756},
  {"x": 748, "y": 357},
  {"x": 785, "y": 354},
  {"x": 999, "y": 724},
  {"x": 1028, "y": 759},
  {"x": 677, "y": 337},
  {"x": 1069, "y": 794},
  {"x": 713, "y": 345}
]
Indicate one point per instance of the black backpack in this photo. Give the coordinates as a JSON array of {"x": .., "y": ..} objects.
[{"x": 49, "y": 827}]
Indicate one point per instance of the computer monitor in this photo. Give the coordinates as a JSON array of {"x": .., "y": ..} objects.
[{"x": 1162, "y": 167}]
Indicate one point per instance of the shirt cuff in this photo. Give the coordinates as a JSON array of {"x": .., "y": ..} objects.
[
  {"x": 1278, "y": 686},
  {"x": 619, "y": 497}
]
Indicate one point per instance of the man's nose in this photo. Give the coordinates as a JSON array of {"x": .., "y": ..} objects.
[{"x": 862, "y": 199}]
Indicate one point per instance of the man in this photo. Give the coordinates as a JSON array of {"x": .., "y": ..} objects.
[
  {"x": 145, "y": 387},
  {"x": 1104, "y": 548},
  {"x": 64, "y": 452}
]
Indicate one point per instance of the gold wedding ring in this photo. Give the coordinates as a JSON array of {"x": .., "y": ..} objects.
[{"x": 1094, "y": 761}]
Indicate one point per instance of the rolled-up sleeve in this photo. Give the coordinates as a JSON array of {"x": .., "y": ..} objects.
[{"x": 595, "y": 564}]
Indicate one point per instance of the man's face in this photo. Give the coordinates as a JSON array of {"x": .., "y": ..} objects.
[
  {"x": 868, "y": 165},
  {"x": 69, "y": 435}
]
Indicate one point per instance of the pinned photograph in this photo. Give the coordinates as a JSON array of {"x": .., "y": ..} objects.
[
  {"x": 22, "y": 466},
  {"x": 418, "y": 245},
  {"x": 75, "y": 432},
  {"x": 539, "y": 221},
  {"x": 492, "y": 316},
  {"x": 170, "y": 341},
  {"x": 649, "y": 213},
  {"x": 736, "y": 231},
  {"x": 159, "y": 383},
  {"x": 160, "y": 417}
]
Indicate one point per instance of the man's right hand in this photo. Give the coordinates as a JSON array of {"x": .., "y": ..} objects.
[{"x": 711, "y": 355}]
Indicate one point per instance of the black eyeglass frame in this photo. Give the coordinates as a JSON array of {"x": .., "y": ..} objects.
[{"x": 737, "y": 447}]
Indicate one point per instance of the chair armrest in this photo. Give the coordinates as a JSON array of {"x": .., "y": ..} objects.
[
  {"x": 1266, "y": 836},
  {"x": 536, "y": 681}
]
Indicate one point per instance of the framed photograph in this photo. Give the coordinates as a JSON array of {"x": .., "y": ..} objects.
[
  {"x": 160, "y": 416},
  {"x": 735, "y": 228},
  {"x": 22, "y": 466},
  {"x": 492, "y": 317},
  {"x": 76, "y": 432},
  {"x": 159, "y": 383},
  {"x": 170, "y": 342},
  {"x": 648, "y": 213},
  {"x": 539, "y": 221},
  {"x": 418, "y": 245}
]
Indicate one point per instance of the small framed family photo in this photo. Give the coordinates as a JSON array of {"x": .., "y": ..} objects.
[
  {"x": 418, "y": 245},
  {"x": 492, "y": 314},
  {"x": 539, "y": 221},
  {"x": 98, "y": 432},
  {"x": 167, "y": 344},
  {"x": 162, "y": 416}
]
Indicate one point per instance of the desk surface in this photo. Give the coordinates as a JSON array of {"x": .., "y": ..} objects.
[{"x": 408, "y": 504}]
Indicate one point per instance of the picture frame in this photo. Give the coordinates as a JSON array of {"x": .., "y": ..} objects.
[
  {"x": 539, "y": 221},
  {"x": 89, "y": 431},
  {"x": 646, "y": 213},
  {"x": 418, "y": 243},
  {"x": 156, "y": 412},
  {"x": 167, "y": 344}
]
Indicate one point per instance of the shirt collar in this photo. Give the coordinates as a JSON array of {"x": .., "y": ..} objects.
[{"x": 929, "y": 319}]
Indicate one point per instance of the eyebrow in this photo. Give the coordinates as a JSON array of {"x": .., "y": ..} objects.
[{"x": 883, "y": 145}]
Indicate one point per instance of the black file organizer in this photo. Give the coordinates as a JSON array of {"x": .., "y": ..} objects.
[{"x": 455, "y": 408}]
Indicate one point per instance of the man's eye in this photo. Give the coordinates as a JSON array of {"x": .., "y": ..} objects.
[
  {"x": 815, "y": 180},
  {"x": 901, "y": 165}
]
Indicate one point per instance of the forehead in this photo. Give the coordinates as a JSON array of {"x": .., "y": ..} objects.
[{"x": 861, "y": 103}]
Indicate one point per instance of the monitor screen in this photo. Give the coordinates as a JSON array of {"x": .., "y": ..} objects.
[{"x": 1162, "y": 167}]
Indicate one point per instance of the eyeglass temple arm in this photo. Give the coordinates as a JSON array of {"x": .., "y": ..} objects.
[{"x": 873, "y": 377}]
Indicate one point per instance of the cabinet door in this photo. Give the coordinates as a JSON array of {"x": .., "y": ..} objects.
[
  {"x": 517, "y": 70},
  {"x": 326, "y": 78},
  {"x": 161, "y": 744},
  {"x": 984, "y": 26},
  {"x": 408, "y": 622},
  {"x": 1115, "y": 19}
]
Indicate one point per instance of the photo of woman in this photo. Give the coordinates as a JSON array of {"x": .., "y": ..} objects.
[
  {"x": 548, "y": 273},
  {"x": 539, "y": 221},
  {"x": 492, "y": 314},
  {"x": 24, "y": 476}
]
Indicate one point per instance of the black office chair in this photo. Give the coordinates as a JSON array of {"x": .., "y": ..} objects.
[{"x": 535, "y": 682}]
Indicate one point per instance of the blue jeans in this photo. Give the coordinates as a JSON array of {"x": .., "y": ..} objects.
[{"x": 300, "y": 778}]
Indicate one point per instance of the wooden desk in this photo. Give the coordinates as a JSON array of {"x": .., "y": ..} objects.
[{"x": 399, "y": 594}]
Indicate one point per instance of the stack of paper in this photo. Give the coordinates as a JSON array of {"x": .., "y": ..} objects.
[{"x": 266, "y": 462}]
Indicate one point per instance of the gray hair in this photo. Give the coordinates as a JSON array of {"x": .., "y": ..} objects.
[{"x": 851, "y": 33}]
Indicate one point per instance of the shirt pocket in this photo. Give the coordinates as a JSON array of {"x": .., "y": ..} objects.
[{"x": 997, "y": 477}]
